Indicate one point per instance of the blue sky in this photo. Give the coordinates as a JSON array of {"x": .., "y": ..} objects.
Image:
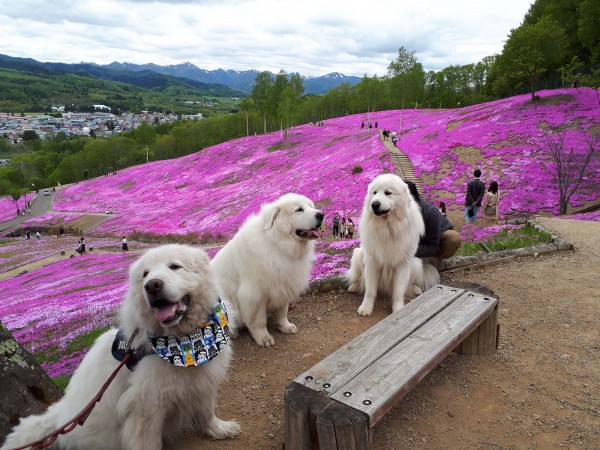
[{"x": 306, "y": 36}]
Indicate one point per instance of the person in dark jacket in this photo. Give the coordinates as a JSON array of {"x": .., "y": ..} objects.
[
  {"x": 440, "y": 241},
  {"x": 475, "y": 193}
]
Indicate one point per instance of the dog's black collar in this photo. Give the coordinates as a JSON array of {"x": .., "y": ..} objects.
[{"x": 197, "y": 348}]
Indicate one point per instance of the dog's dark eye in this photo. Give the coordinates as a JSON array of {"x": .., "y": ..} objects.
[
  {"x": 388, "y": 193},
  {"x": 174, "y": 266},
  {"x": 300, "y": 209},
  {"x": 145, "y": 274},
  {"x": 374, "y": 192}
]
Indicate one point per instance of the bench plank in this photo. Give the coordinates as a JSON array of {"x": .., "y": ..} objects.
[
  {"x": 337, "y": 369},
  {"x": 379, "y": 387}
]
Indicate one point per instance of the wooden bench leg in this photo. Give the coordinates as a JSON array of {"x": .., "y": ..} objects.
[
  {"x": 340, "y": 427},
  {"x": 302, "y": 405},
  {"x": 484, "y": 339}
]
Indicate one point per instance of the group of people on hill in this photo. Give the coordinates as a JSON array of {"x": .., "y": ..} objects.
[{"x": 343, "y": 228}]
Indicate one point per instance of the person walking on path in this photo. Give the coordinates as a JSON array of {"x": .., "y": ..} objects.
[
  {"x": 82, "y": 245},
  {"x": 336, "y": 224},
  {"x": 490, "y": 203},
  {"x": 475, "y": 193},
  {"x": 37, "y": 235},
  {"x": 27, "y": 235},
  {"x": 124, "y": 245}
]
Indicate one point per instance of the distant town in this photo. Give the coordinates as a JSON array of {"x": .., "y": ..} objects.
[{"x": 101, "y": 123}]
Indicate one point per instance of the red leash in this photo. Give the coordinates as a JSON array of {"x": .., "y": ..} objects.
[{"x": 80, "y": 418}]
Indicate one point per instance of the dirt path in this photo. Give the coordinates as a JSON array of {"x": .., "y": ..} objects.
[{"x": 541, "y": 390}]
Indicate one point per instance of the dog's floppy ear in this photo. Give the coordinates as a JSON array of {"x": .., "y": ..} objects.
[{"x": 270, "y": 216}]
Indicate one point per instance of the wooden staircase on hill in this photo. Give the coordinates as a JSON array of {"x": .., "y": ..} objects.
[{"x": 404, "y": 168}]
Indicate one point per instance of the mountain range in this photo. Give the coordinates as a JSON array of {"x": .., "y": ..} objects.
[{"x": 240, "y": 82}]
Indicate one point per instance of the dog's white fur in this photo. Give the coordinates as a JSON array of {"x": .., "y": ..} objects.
[
  {"x": 149, "y": 405},
  {"x": 385, "y": 261},
  {"x": 267, "y": 265}
]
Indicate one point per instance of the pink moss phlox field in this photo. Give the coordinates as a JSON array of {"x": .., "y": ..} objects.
[
  {"x": 475, "y": 233},
  {"x": 215, "y": 190},
  {"x": 46, "y": 309},
  {"x": 503, "y": 139},
  {"x": 594, "y": 216},
  {"x": 8, "y": 209}
]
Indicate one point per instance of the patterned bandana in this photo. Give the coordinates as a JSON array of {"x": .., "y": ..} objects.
[{"x": 194, "y": 349}]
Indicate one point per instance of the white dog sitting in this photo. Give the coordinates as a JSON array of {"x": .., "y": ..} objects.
[
  {"x": 181, "y": 358},
  {"x": 390, "y": 228},
  {"x": 267, "y": 265}
]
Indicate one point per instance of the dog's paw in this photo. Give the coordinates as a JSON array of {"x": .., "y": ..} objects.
[
  {"x": 354, "y": 287},
  {"x": 364, "y": 310},
  {"x": 265, "y": 340},
  {"x": 287, "y": 328},
  {"x": 222, "y": 429},
  {"x": 397, "y": 306},
  {"x": 414, "y": 291}
]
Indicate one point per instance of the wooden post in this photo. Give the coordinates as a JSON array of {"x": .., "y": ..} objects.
[
  {"x": 483, "y": 340},
  {"x": 302, "y": 405},
  {"x": 341, "y": 427}
]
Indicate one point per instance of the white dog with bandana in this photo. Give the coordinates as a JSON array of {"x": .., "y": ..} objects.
[{"x": 171, "y": 297}]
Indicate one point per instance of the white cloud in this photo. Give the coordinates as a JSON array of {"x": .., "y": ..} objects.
[{"x": 311, "y": 37}]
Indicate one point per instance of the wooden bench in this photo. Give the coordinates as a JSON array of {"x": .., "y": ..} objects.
[{"x": 336, "y": 403}]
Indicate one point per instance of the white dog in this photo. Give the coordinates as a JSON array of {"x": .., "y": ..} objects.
[
  {"x": 267, "y": 265},
  {"x": 173, "y": 303},
  {"x": 390, "y": 228}
]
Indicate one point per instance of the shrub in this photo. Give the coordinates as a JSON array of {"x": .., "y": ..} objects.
[{"x": 357, "y": 169}]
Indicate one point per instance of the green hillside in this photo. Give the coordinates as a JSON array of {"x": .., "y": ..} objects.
[{"x": 36, "y": 92}]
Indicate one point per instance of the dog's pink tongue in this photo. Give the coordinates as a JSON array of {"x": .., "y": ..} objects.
[
  {"x": 318, "y": 233},
  {"x": 165, "y": 313}
]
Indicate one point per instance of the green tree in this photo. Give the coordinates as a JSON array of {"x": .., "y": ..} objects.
[
  {"x": 407, "y": 78},
  {"x": 260, "y": 94},
  {"x": 530, "y": 52},
  {"x": 589, "y": 27},
  {"x": 29, "y": 135}
]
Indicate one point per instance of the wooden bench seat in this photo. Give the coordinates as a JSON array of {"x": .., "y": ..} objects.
[{"x": 335, "y": 404}]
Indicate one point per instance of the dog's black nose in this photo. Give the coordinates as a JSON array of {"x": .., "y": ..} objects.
[
  {"x": 319, "y": 216},
  {"x": 376, "y": 205},
  {"x": 153, "y": 286}
]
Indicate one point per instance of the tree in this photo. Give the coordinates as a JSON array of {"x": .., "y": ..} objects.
[
  {"x": 407, "y": 77},
  {"x": 260, "y": 94},
  {"x": 570, "y": 166},
  {"x": 530, "y": 52},
  {"x": 589, "y": 27},
  {"x": 29, "y": 135}
]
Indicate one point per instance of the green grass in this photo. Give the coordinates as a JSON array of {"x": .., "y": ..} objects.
[
  {"x": 61, "y": 382},
  {"x": 506, "y": 240},
  {"x": 85, "y": 340}
]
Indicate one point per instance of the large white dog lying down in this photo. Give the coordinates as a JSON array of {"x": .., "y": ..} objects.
[
  {"x": 267, "y": 264},
  {"x": 390, "y": 228},
  {"x": 173, "y": 301}
]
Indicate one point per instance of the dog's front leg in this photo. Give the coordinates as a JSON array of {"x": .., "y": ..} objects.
[
  {"x": 401, "y": 281},
  {"x": 142, "y": 420},
  {"x": 371, "y": 276},
  {"x": 282, "y": 322}
]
